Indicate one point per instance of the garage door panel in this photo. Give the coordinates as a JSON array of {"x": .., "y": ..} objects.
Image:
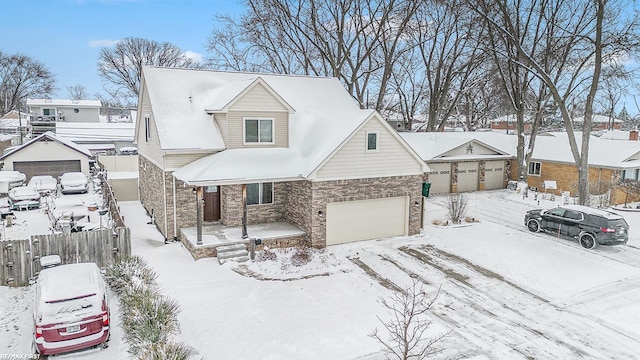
[
  {"x": 54, "y": 168},
  {"x": 494, "y": 174},
  {"x": 467, "y": 176},
  {"x": 366, "y": 219},
  {"x": 440, "y": 178}
]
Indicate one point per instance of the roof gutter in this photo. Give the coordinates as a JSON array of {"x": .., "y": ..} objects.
[{"x": 238, "y": 181}]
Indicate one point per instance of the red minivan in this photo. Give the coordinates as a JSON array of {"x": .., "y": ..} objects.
[{"x": 71, "y": 309}]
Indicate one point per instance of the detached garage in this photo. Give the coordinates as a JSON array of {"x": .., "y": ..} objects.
[
  {"x": 350, "y": 221},
  {"x": 54, "y": 155}
]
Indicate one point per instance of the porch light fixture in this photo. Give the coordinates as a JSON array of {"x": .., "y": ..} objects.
[
  {"x": 195, "y": 190},
  {"x": 320, "y": 213}
]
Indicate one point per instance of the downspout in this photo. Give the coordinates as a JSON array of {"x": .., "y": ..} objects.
[
  {"x": 164, "y": 193},
  {"x": 175, "y": 216}
]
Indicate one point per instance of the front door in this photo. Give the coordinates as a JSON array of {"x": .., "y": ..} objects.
[{"x": 211, "y": 203}]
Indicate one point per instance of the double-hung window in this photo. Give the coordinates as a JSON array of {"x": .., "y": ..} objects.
[
  {"x": 259, "y": 193},
  {"x": 258, "y": 131},
  {"x": 534, "y": 168}
]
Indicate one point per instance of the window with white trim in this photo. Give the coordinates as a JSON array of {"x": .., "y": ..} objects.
[
  {"x": 147, "y": 127},
  {"x": 48, "y": 112},
  {"x": 630, "y": 174},
  {"x": 534, "y": 168},
  {"x": 372, "y": 141},
  {"x": 259, "y": 193},
  {"x": 258, "y": 131}
]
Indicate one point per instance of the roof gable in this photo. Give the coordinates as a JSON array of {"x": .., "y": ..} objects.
[
  {"x": 233, "y": 92},
  {"x": 49, "y": 136}
]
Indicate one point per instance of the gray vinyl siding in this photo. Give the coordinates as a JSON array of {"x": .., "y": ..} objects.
[
  {"x": 353, "y": 161},
  {"x": 235, "y": 135},
  {"x": 221, "y": 121},
  {"x": 151, "y": 149},
  {"x": 176, "y": 161},
  {"x": 258, "y": 97}
]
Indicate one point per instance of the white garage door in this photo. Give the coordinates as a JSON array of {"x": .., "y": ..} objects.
[
  {"x": 467, "y": 176},
  {"x": 350, "y": 221},
  {"x": 494, "y": 174},
  {"x": 440, "y": 178}
]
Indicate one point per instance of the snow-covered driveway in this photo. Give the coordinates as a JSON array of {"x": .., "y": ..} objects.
[{"x": 505, "y": 293}]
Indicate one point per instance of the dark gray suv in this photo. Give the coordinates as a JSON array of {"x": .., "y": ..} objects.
[{"x": 590, "y": 226}]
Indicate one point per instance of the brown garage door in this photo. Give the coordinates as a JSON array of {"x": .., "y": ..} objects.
[{"x": 53, "y": 168}]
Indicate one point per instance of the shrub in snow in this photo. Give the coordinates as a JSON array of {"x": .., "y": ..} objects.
[
  {"x": 301, "y": 256},
  {"x": 166, "y": 351},
  {"x": 127, "y": 272},
  {"x": 149, "y": 320},
  {"x": 266, "y": 254},
  {"x": 404, "y": 335},
  {"x": 150, "y": 323},
  {"x": 457, "y": 207}
]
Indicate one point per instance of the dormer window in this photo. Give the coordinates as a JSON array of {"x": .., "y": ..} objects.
[
  {"x": 258, "y": 131},
  {"x": 372, "y": 141}
]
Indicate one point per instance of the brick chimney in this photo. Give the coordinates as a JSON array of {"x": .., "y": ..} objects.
[{"x": 633, "y": 134}]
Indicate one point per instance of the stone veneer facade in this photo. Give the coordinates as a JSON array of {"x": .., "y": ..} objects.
[{"x": 296, "y": 202}]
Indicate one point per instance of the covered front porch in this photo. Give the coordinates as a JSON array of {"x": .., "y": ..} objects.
[{"x": 275, "y": 234}]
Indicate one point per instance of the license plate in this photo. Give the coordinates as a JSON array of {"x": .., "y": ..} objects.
[{"x": 73, "y": 329}]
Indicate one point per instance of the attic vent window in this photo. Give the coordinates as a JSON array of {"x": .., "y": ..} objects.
[{"x": 76, "y": 110}]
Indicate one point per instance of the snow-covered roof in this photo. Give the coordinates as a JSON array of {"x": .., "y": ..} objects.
[
  {"x": 84, "y": 132},
  {"x": 615, "y": 135},
  {"x": 511, "y": 118},
  {"x": 602, "y": 152},
  {"x": 323, "y": 116},
  {"x": 597, "y": 118},
  {"x": 431, "y": 145},
  {"x": 51, "y": 136},
  {"x": 64, "y": 102}
]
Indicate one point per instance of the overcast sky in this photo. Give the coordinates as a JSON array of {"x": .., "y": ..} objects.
[{"x": 67, "y": 35}]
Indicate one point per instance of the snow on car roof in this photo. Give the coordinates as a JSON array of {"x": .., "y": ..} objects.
[
  {"x": 69, "y": 281},
  {"x": 593, "y": 211},
  {"x": 11, "y": 175}
]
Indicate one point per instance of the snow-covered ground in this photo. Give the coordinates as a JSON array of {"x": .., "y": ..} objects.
[{"x": 505, "y": 293}]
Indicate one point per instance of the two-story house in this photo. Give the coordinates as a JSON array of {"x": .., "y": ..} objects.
[
  {"x": 44, "y": 113},
  {"x": 301, "y": 147}
]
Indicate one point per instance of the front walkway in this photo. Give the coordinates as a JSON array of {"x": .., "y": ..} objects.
[{"x": 278, "y": 234}]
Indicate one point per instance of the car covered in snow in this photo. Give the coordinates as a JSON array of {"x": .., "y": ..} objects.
[
  {"x": 43, "y": 184},
  {"x": 74, "y": 182},
  {"x": 11, "y": 179},
  {"x": 71, "y": 310},
  {"x": 23, "y": 198},
  {"x": 588, "y": 225}
]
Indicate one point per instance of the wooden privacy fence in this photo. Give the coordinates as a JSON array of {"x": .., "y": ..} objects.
[{"x": 20, "y": 259}]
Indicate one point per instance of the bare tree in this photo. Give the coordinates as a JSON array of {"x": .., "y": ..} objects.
[
  {"x": 457, "y": 206},
  {"x": 356, "y": 41},
  {"x": 447, "y": 41},
  {"x": 77, "y": 92},
  {"x": 22, "y": 77},
  {"x": 120, "y": 67},
  {"x": 583, "y": 37},
  {"x": 405, "y": 332}
]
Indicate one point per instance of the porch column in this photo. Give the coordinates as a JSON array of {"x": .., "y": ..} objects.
[{"x": 199, "y": 202}]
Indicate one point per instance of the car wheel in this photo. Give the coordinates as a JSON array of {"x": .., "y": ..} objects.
[
  {"x": 533, "y": 225},
  {"x": 587, "y": 241}
]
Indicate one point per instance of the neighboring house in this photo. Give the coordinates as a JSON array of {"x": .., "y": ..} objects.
[
  {"x": 303, "y": 149},
  {"x": 44, "y": 113},
  {"x": 101, "y": 138},
  {"x": 600, "y": 122},
  {"x": 47, "y": 154},
  {"x": 14, "y": 123},
  {"x": 13, "y": 114},
  {"x": 508, "y": 124},
  {"x": 609, "y": 161},
  {"x": 464, "y": 161}
]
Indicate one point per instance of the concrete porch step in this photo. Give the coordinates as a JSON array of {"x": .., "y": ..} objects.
[{"x": 236, "y": 253}]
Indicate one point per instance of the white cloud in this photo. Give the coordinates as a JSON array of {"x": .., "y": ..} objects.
[
  {"x": 196, "y": 57},
  {"x": 103, "y": 43}
]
